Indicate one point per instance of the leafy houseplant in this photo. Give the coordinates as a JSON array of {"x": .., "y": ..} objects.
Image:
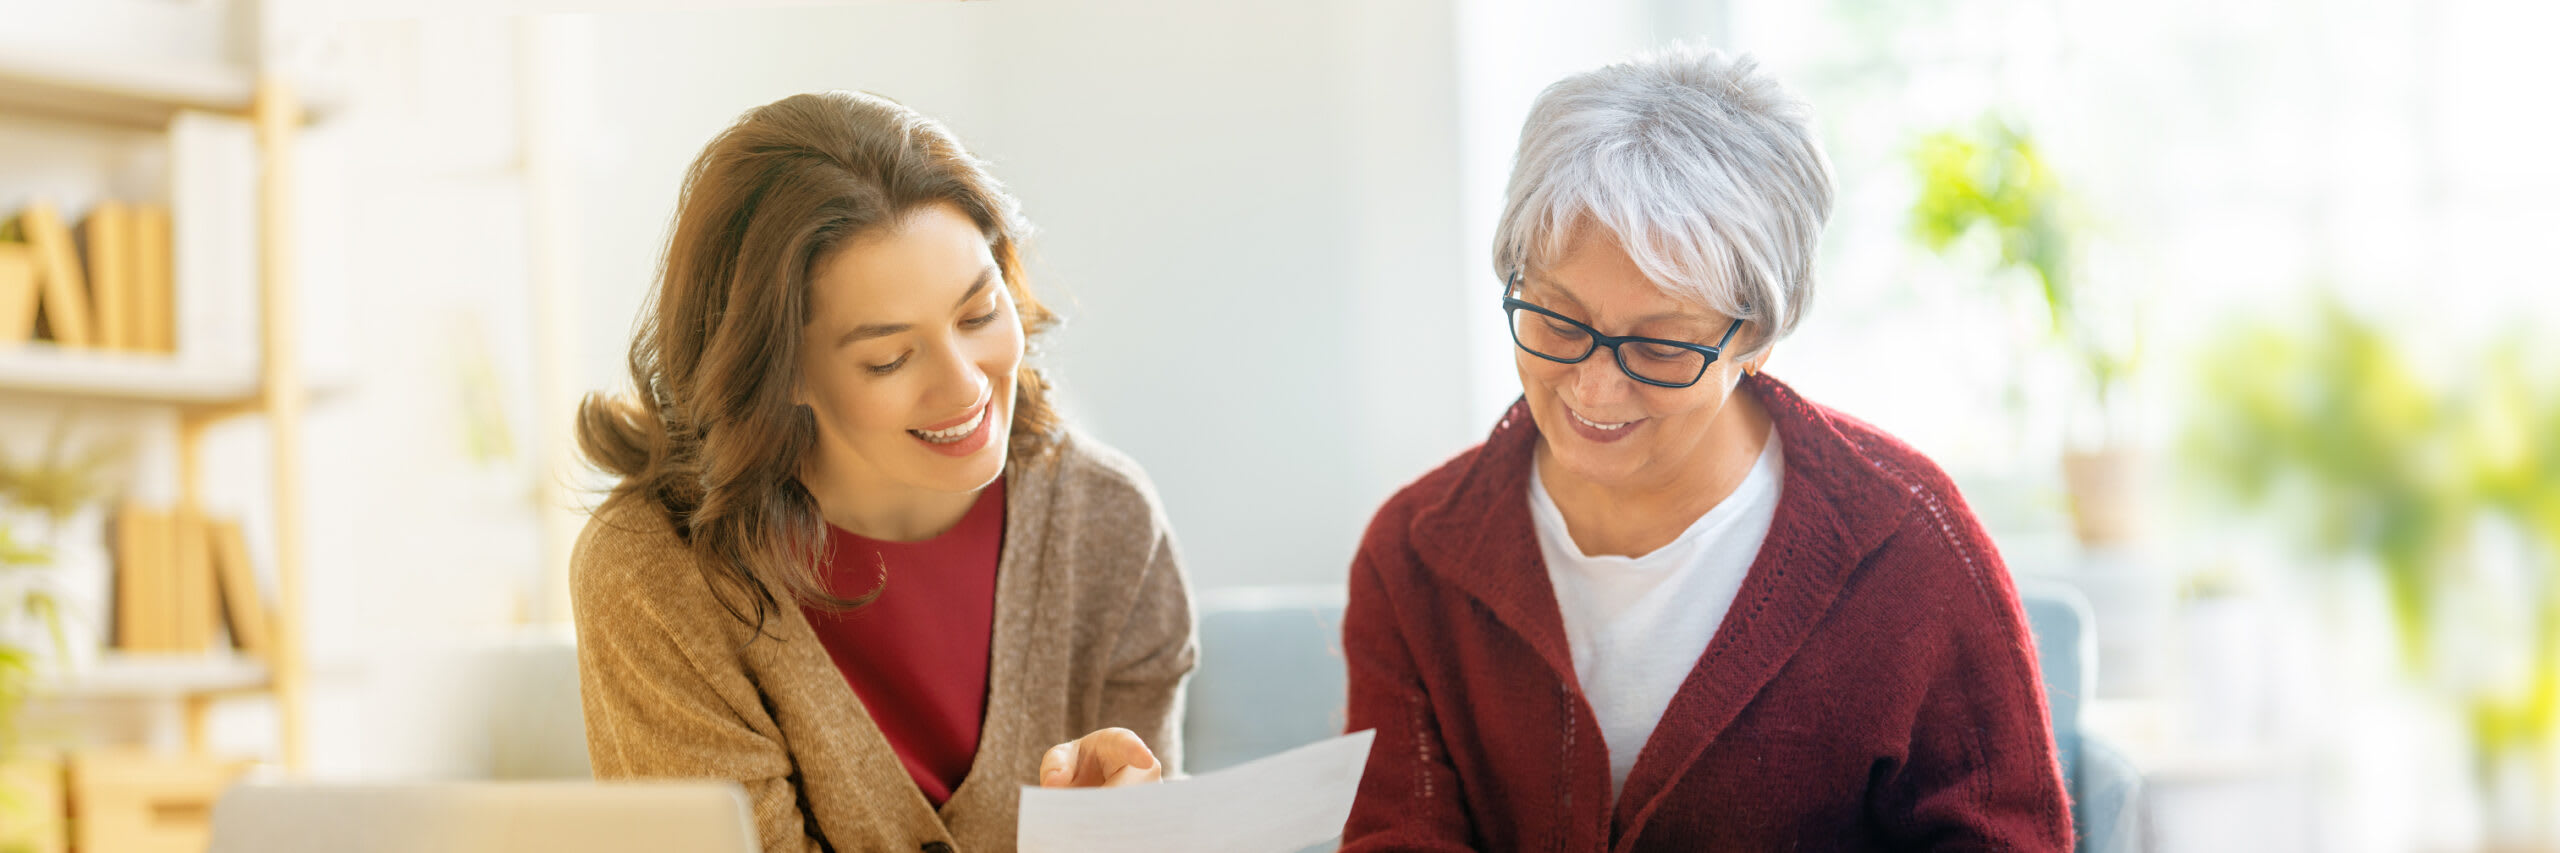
[
  {"x": 1993, "y": 180},
  {"x": 17, "y": 665},
  {"x": 2338, "y": 435},
  {"x": 49, "y": 489},
  {"x": 52, "y": 487}
]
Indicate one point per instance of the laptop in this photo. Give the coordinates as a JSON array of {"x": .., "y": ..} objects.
[{"x": 485, "y": 817}]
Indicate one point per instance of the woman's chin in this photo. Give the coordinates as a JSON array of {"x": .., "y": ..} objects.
[
  {"x": 1599, "y": 465},
  {"x": 928, "y": 471},
  {"x": 964, "y": 474}
]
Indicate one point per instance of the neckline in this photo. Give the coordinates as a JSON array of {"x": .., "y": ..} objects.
[
  {"x": 1761, "y": 477},
  {"x": 990, "y": 500}
]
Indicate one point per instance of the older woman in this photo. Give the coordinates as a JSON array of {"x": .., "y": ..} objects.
[{"x": 1668, "y": 604}]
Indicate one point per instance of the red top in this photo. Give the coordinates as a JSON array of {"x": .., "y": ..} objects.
[
  {"x": 1873, "y": 687},
  {"x": 917, "y": 656}
]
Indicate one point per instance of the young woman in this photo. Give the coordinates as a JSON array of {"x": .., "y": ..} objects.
[{"x": 854, "y": 562}]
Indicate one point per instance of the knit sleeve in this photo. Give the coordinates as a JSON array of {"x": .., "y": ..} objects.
[
  {"x": 654, "y": 711},
  {"x": 1153, "y": 657},
  {"x": 1409, "y": 797},
  {"x": 1981, "y": 772}
]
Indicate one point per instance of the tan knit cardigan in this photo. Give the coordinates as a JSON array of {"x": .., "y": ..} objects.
[{"x": 1092, "y": 629}]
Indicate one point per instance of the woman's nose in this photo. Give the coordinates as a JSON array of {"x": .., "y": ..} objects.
[
  {"x": 957, "y": 381},
  {"x": 1597, "y": 379}
]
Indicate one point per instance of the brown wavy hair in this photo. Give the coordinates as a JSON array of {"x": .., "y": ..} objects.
[{"x": 710, "y": 434}]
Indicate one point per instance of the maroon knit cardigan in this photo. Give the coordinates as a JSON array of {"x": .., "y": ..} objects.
[{"x": 1872, "y": 687}]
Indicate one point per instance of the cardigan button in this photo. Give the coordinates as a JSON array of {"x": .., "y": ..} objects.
[{"x": 936, "y": 847}]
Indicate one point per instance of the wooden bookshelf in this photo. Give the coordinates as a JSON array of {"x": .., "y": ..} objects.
[
  {"x": 123, "y": 91},
  {"x": 124, "y": 377},
  {"x": 127, "y": 377},
  {"x": 141, "y": 92},
  {"x": 112, "y": 90}
]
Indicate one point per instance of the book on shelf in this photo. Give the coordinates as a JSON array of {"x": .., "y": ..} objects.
[
  {"x": 17, "y": 293},
  {"x": 176, "y": 279},
  {"x": 179, "y": 577},
  {"x": 155, "y": 304},
  {"x": 63, "y": 292},
  {"x": 191, "y": 589},
  {"x": 140, "y": 536},
  {"x": 242, "y": 606},
  {"x": 122, "y": 272},
  {"x": 108, "y": 248}
]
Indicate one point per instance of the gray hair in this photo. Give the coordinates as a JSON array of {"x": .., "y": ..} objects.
[{"x": 1705, "y": 170}]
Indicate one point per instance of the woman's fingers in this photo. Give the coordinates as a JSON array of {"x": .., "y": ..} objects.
[
  {"x": 1110, "y": 757},
  {"x": 1115, "y": 757},
  {"x": 1135, "y": 776},
  {"x": 1054, "y": 765}
]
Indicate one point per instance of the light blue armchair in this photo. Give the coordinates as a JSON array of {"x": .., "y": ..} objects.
[
  {"x": 1271, "y": 678},
  {"x": 2106, "y": 789}
]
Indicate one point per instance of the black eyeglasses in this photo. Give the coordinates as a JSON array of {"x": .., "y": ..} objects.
[{"x": 1652, "y": 361}]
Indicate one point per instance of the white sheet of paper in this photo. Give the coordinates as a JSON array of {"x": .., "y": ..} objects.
[{"x": 1277, "y": 804}]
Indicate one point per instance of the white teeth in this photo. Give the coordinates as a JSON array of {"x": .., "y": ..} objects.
[
  {"x": 1595, "y": 424},
  {"x": 950, "y": 435}
]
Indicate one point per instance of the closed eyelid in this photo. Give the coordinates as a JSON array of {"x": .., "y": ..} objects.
[
  {"x": 987, "y": 277},
  {"x": 1555, "y": 302},
  {"x": 1698, "y": 335},
  {"x": 1679, "y": 338}
]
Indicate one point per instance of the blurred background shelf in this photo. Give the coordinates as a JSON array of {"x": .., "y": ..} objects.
[
  {"x": 129, "y": 91},
  {"x": 122, "y": 376},
  {"x": 128, "y": 675},
  {"x": 117, "y": 90},
  {"x": 91, "y": 374},
  {"x": 249, "y": 143}
]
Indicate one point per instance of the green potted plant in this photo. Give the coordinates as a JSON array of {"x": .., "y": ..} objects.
[
  {"x": 2351, "y": 448},
  {"x": 1992, "y": 180},
  {"x": 36, "y": 497}
]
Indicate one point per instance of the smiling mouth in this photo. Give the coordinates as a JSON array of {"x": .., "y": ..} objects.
[
  {"x": 1596, "y": 424},
  {"x": 969, "y": 424}
]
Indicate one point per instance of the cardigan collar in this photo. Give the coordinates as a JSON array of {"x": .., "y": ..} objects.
[
  {"x": 988, "y": 789},
  {"x": 1477, "y": 536}
]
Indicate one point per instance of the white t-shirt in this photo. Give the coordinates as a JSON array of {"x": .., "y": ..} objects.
[{"x": 1638, "y": 624}]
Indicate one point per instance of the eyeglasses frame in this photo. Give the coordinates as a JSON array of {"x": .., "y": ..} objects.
[{"x": 1511, "y": 306}]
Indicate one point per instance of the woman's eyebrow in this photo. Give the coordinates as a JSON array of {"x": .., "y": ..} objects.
[
  {"x": 1548, "y": 288},
  {"x": 868, "y": 331},
  {"x": 1552, "y": 287},
  {"x": 986, "y": 277}
]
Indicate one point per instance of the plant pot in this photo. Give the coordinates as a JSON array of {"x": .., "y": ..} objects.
[{"x": 2104, "y": 499}]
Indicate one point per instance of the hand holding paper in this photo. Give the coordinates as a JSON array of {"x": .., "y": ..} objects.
[
  {"x": 1108, "y": 758},
  {"x": 1273, "y": 805}
]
